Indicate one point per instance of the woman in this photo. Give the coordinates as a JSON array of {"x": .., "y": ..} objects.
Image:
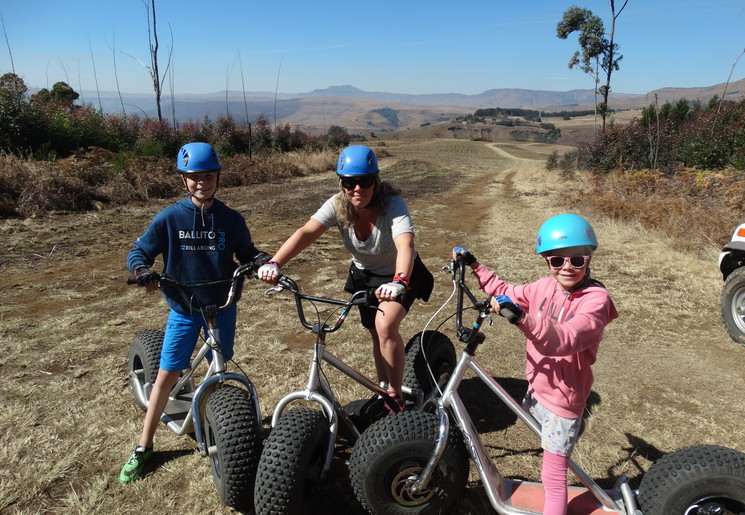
[{"x": 376, "y": 228}]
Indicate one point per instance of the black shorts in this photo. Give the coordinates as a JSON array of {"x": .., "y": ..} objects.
[{"x": 420, "y": 287}]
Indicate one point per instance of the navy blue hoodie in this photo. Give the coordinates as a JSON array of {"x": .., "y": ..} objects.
[{"x": 196, "y": 248}]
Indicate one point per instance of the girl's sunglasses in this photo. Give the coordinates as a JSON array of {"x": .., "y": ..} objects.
[
  {"x": 349, "y": 183},
  {"x": 558, "y": 262}
]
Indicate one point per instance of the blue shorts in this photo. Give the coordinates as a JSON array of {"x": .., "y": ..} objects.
[{"x": 182, "y": 332}]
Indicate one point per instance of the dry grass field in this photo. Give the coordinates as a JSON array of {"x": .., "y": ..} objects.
[{"x": 667, "y": 375}]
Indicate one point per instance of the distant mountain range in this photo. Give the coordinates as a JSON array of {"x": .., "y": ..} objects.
[{"x": 359, "y": 111}]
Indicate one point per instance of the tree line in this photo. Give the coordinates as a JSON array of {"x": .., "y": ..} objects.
[
  {"x": 707, "y": 136},
  {"x": 48, "y": 125}
]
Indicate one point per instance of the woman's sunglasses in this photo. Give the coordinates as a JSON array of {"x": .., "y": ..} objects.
[
  {"x": 558, "y": 262},
  {"x": 349, "y": 183}
]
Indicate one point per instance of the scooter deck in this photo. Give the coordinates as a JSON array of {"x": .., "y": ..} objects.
[
  {"x": 529, "y": 496},
  {"x": 177, "y": 409}
]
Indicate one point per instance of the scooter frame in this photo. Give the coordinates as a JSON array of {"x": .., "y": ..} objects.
[
  {"x": 215, "y": 375},
  {"x": 621, "y": 499},
  {"x": 317, "y": 388}
]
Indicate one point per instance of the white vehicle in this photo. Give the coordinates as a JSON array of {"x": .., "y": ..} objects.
[{"x": 732, "y": 266}]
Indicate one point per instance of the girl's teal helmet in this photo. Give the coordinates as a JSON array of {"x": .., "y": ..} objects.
[
  {"x": 562, "y": 231},
  {"x": 197, "y": 158},
  {"x": 357, "y": 160}
]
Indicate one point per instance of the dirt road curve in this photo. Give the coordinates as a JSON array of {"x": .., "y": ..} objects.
[{"x": 667, "y": 374}]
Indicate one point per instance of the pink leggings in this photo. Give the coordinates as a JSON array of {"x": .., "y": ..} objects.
[{"x": 554, "y": 477}]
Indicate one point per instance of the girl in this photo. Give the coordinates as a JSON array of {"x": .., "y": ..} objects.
[{"x": 562, "y": 317}]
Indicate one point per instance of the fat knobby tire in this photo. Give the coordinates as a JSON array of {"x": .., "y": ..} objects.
[
  {"x": 144, "y": 357},
  {"x": 731, "y": 301},
  {"x": 394, "y": 450},
  {"x": 232, "y": 426},
  {"x": 291, "y": 463},
  {"x": 437, "y": 354},
  {"x": 696, "y": 475}
]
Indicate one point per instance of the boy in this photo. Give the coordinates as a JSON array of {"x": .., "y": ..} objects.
[{"x": 198, "y": 238}]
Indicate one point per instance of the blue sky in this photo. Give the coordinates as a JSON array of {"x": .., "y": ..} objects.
[{"x": 408, "y": 46}]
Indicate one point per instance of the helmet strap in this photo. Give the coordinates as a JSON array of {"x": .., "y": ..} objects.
[
  {"x": 200, "y": 204},
  {"x": 586, "y": 281},
  {"x": 191, "y": 195}
]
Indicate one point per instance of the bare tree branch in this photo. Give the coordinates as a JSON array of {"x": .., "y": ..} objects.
[
  {"x": 7, "y": 43},
  {"x": 116, "y": 78},
  {"x": 276, "y": 88},
  {"x": 726, "y": 85},
  {"x": 245, "y": 103},
  {"x": 95, "y": 76}
]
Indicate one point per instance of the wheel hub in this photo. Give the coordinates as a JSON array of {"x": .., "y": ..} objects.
[
  {"x": 739, "y": 309},
  {"x": 717, "y": 506},
  {"x": 401, "y": 487}
]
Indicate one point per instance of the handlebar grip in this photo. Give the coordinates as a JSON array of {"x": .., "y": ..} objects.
[
  {"x": 286, "y": 282},
  {"x": 509, "y": 315},
  {"x": 364, "y": 300}
]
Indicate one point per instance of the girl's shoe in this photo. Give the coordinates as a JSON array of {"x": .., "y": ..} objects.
[{"x": 394, "y": 403}]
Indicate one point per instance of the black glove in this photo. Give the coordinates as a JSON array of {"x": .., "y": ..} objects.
[
  {"x": 144, "y": 275},
  {"x": 508, "y": 309},
  {"x": 261, "y": 259},
  {"x": 466, "y": 255}
]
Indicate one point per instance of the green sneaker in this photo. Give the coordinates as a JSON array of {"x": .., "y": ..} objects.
[{"x": 135, "y": 464}]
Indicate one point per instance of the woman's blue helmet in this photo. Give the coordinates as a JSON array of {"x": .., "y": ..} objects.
[
  {"x": 357, "y": 160},
  {"x": 562, "y": 231},
  {"x": 197, "y": 158}
]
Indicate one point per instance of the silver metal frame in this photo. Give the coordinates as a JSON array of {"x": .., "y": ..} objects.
[
  {"x": 620, "y": 500},
  {"x": 215, "y": 376},
  {"x": 317, "y": 388}
]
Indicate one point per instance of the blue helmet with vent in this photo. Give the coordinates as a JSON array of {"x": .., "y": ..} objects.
[
  {"x": 562, "y": 231},
  {"x": 197, "y": 158},
  {"x": 357, "y": 160}
]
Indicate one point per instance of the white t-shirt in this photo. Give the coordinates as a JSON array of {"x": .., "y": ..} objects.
[{"x": 378, "y": 252}]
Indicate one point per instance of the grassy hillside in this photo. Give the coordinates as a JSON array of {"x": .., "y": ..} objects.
[{"x": 67, "y": 318}]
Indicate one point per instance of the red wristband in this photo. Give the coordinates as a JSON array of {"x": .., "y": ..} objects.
[{"x": 402, "y": 278}]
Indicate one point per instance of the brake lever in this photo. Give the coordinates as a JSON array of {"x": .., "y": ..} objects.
[{"x": 269, "y": 291}]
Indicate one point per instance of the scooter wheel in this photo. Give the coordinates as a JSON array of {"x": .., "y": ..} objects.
[
  {"x": 391, "y": 454},
  {"x": 291, "y": 464},
  {"x": 702, "y": 479},
  {"x": 732, "y": 305},
  {"x": 429, "y": 357},
  {"x": 144, "y": 359},
  {"x": 232, "y": 428}
]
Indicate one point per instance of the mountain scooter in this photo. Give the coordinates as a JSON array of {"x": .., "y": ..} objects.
[
  {"x": 224, "y": 419},
  {"x": 417, "y": 462},
  {"x": 299, "y": 449}
]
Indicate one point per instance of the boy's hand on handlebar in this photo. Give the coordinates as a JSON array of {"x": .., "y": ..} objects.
[
  {"x": 508, "y": 309},
  {"x": 146, "y": 277},
  {"x": 389, "y": 291},
  {"x": 269, "y": 272},
  {"x": 468, "y": 258}
]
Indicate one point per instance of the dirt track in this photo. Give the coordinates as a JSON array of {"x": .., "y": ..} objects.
[{"x": 667, "y": 374}]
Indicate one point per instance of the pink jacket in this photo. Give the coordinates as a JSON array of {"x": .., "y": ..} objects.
[{"x": 563, "y": 332}]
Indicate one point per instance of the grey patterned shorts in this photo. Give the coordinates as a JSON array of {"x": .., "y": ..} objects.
[{"x": 558, "y": 434}]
